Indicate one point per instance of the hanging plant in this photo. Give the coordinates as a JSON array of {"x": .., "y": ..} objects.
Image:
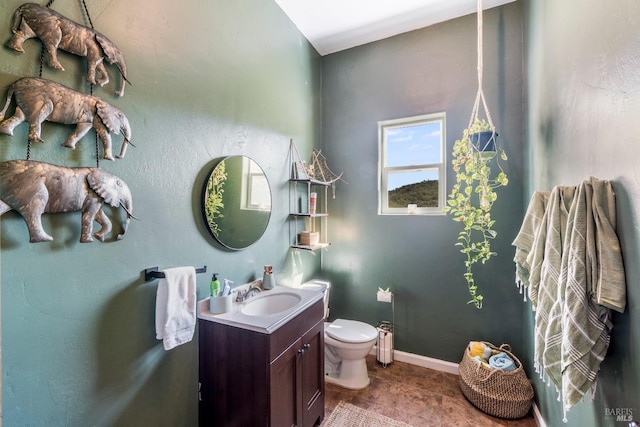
[
  {"x": 473, "y": 194},
  {"x": 472, "y": 198}
]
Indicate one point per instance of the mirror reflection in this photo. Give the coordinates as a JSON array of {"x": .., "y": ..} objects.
[{"x": 237, "y": 202}]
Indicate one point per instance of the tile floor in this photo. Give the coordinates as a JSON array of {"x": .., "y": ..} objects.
[{"x": 418, "y": 396}]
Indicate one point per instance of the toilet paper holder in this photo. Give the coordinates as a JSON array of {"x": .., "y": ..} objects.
[{"x": 384, "y": 346}]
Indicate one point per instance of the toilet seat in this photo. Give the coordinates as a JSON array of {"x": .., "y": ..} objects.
[{"x": 351, "y": 331}]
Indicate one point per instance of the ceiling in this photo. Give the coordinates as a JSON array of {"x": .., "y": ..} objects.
[{"x": 335, "y": 25}]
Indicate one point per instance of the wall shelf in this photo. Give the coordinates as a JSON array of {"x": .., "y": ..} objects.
[
  {"x": 311, "y": 247},
  {"x": 301, "y": 218},
  {"x": 308, "y": 215},
  {"x": 308, "y": 225}
]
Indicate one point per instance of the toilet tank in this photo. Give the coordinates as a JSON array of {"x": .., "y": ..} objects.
[{"x": 321, "y": 286}]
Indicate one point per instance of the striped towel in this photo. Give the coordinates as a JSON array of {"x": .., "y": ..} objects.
[{"x": 569, "y": 259}]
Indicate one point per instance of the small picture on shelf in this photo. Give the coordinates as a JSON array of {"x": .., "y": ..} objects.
[{"x": 300, "y": 170}]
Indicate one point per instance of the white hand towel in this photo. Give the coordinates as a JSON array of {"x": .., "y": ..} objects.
[{"x": 176, "y": 306}]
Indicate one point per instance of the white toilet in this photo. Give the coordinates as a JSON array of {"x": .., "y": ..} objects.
[{"x": 346, "y": 345}]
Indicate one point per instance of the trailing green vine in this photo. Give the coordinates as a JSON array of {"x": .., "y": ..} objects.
[
  {"x": 472, "y": 198},
  {"x": 213, "y": 200}
]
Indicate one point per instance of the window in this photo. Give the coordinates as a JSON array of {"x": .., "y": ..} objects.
[
  {"x": 411, "y": 165},
  {"x": 255, "y": 187}
]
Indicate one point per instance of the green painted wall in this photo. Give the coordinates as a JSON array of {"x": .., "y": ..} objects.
[
  {"x": 582, "y": 120},
  {"x": 424, "y": 71},
  {"x": 209, "y": 79}
]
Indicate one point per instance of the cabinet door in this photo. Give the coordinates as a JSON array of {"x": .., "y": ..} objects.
[
  {"x": 285, "y": 408},
  {"x": 312, "y": 364},
  {"x": 233, "y": 376}
]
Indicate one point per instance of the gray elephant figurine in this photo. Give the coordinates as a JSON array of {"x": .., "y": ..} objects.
[
  {"x": 33, "y": 188},
  {"x": 41, "y": 99},
  {"x": 58, "y": 32}
]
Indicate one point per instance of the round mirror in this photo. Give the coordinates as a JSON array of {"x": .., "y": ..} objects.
[{"x": 237, "y": 202}]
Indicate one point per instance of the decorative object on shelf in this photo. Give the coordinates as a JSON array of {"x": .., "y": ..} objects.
[
  {"x": 58, "y": 32},
  {"x": 313, "y": 201},
  {"x": 268, "y": 280},
  {"x": 39, "y": 99},
  {"x": 299, "y": 170},
  {"x": 309, "y": 238},
  {"x": 319, "y": 171},
  {"x": 473, "y": 194},
  {"x": 33, "y": 188}
]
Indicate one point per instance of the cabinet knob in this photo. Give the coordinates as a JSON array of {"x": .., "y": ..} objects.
[{"x": 304, "y": 348}]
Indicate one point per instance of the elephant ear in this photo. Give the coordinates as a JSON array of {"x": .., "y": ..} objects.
[
  {"x": 108, "y": 48},
  {"x": 109, "y": 115},
  {"x": 105, "y": 185}
]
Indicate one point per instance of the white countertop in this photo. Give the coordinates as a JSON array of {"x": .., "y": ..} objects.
[{"x": 264, "y": 324}]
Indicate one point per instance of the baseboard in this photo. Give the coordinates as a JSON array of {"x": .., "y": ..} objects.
[
  {"x": 538, "y": 416},
  {"x": 444, "y": 366},
  {"x": 425, "y": 362}
]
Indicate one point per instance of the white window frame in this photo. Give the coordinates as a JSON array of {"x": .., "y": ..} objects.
[
  {"x": 384, "y": 170},
  {"x": 254, "y": 187}
]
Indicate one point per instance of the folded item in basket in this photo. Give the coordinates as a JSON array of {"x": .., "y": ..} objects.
[
  {"x": 502, "y": 361},
  {"x": 481, "y": 361},
  {"x": 479, "y": 349}
]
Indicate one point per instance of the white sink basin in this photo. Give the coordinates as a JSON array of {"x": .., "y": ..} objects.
[
  {"x": 267, "y": 304},
  {"x": 265, "y": 312}
]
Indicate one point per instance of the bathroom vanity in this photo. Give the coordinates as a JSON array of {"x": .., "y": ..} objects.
[{"x": 262, "y": 369}]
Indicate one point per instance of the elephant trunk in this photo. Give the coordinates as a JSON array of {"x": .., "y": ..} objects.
[
  {"x": 122, "y": 67},
  {"x": 128, "y": 207},
  {"x": 6, "y": 105},
  {"x": 126, "y": 131}
]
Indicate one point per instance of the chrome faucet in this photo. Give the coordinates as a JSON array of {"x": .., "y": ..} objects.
[{"x": 254, "y": 288}]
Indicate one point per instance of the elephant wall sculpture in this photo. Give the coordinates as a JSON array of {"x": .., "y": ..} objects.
[
  {"x": 39, "y": 99},
  {"x": 33, "y": 188},
  {"x": 58, "y": 32}
]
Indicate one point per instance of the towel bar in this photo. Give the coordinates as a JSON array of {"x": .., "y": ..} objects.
[{"x": 153, "y": 273}]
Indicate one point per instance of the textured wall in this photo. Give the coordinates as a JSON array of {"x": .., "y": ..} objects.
[
  {"x": 424, "y": 71},
  {"x": 209, "y": 79},
  {"x": 583, "y": 107}
]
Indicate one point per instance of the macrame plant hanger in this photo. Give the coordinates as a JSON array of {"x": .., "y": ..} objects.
[
  {"x": 86, "y": 10},
  {"x": 480, "y": 95}
]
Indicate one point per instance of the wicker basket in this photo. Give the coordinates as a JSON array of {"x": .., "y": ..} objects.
[{"x": 503, "y": 394}]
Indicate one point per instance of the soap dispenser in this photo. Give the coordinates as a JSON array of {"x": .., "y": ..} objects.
[
  {"x": 214, "y": 287},
  {"x": 268, "y": 281}
]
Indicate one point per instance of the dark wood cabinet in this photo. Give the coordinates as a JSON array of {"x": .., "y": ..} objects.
[{"x": 251, "y": 379}]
